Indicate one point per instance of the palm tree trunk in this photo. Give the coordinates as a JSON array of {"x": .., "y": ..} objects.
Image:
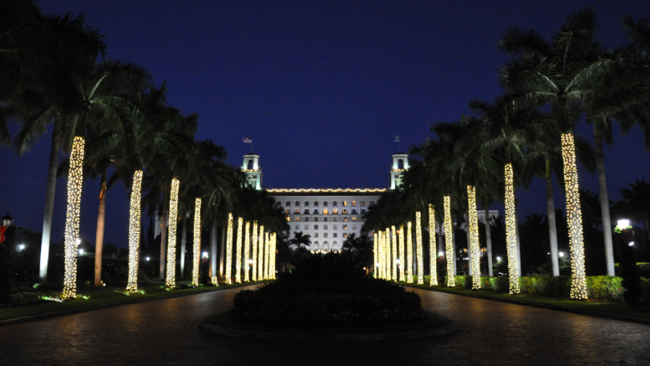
[
  {"x": 50, "y": 192},
  {"x": 604, "y": 202},
  {"x": 183, "y": 242},
  {"x": 222, "y": 254},
  {"x": 488, "y": 237},
  {"x": 552, "y": 223},
  {"x": 99, "y": 233},
  {"x": 213, "y": 244},
  {"x": 163, "y": 237}
]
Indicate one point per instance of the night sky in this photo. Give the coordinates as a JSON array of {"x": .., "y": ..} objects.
[{"x": 321, "y": 87}]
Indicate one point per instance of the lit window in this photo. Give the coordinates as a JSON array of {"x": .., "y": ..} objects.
[
  {"x": 345, "y": 219},
  {"x": 354, "y": 203},
  {"x": 335, "y": 211},
  {"x": 354, "y": 218},
  {"x": 287, "y": 211},
  {"x": 315, "y": 227},
  {"x": 296, "y": 211},
  {"x": 297, "y": 218},
  {"x": 345, "y": 203},
  {"x": 345, "y": 235},
  {"x": 345, "y": 227},
  {"x": 288, "y": 218},
  {"x": 325, "y": 211},
  {"x": 345, "y": 211}
]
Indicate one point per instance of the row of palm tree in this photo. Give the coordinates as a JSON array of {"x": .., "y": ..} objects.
[
  {"x": 549, "y": 86},
  {"x": 50, "y": 76}
]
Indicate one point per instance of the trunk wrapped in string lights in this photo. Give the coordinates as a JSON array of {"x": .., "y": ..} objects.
[
  {"x": 511, "y": 231},
  {"x": 402, "y": 254},
  {"x": 273, "y": 242},
  {"x": 389, "y": 263},
  {"x": 254, "y": 253},
  {"x": 228, "y": 270},
  {"x": 196, "y": 250},
  {"x": 260, "y": 255},
  {"x": 574, "y": 219},
  {"x": 375, "y": 250},
  {"x": 393, "y": 247},
  {"x": 449, "y": 243},
  {"x": 267, "y": 256},
  {"x": 247, "y": 244},
  {"x": 75, "y": 184},
  {"x": 433, "y": 268},
  {"x": 134, "y": 231},
  {"x": 380, "y": 253},
  {"x": 475, "y": 249},
  {"x": 409, "y": 252},
  {"x": 240, "y": 229},
  {"x": 170, "y": 278},
  {"x": 418, "y": 246},
  {"x": 385, "y": 254}
]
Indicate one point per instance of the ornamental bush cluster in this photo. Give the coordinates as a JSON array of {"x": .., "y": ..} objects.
[{"x": 327, "y": 290}]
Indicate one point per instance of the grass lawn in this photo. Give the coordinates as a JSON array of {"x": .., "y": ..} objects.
[
  {"x": 432, "y": 321},
  {"x": 105, "y": 296},
  {"x": 600, "y": 306}
]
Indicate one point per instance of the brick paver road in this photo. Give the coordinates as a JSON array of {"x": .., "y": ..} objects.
[{"x": 166, "y": 332}]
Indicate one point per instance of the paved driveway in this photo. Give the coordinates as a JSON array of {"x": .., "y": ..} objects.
[{"x": 166, "y": 332}]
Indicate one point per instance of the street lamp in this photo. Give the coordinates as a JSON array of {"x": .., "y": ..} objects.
[
  {"x": 20, "y": 247},
  {"x": 622, "y": 227},
  {"x": 561, "y": 254}
]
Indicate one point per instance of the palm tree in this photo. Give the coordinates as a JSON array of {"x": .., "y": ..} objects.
[
  {"x": 635, "y": 203},
  {"x": 300, "y": 240}
]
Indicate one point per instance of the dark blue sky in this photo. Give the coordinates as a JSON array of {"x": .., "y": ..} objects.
[{"x": 320, "y": 86}]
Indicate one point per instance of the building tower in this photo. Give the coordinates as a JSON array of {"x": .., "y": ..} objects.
[
  {"x": 251, "y": 167},
  {"x": 400, "y": 165}
]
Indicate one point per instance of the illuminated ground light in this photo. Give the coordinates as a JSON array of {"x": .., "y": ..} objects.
[
  {"x": 197, "y": 242},
  {"x": 574, "y": 219},
  {"x": 134, "y": 231},
  {"x": 260, "y": 255},
  {"x": 449, "y": 243},
  {"x": 374, "y": 254},
  {"x": 418, "y": 246},
  {"x": 75, "y": 183},
  {"x": 228, "y": 270},
  {"x": 247, "y": 244},
  {"x": 394, "y": 249},
  {"x": 238, "y": 249},
  {"x": 475, "y": 249},
  {"x": 254, "y": 253},
  {"x": 402, "y": 254},
  {"x": 511, "y": 231},
  {"x": 170, "y": 279},
  {"x": 409, "y": 252},
  {"x": 433, "y": 264}
]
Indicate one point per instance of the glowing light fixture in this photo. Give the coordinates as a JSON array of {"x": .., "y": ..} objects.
[
  {"x": 409, "y": 252},
  {"x": 402, "y": 254},
  {"x": 240, "y": 224},
  {"x": 433, "y": 264},
  {"x": 247, "y": 244},
  {"x": 574, "y": 219},
  {"x": 511, "y": 231},
  {"x": 228, "y": 270},
  {"x": 134, "y": 232},
  {"x": 474, "y": 246},
  {"x": 197, "y": 242},
  {"x": 254, "y": 252},
  {"x": 75, "y": 183},
  {"x": 170, "y": 279},
  {"x": 449, "y": 243},
  {"x": 418, "y": 246}
]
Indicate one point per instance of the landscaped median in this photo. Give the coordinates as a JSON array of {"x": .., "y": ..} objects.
[
  {"x": 97, "y": 298},
  {"x": 606, "y": 294}
]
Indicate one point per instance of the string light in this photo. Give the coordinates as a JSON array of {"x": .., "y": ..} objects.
[
  {"x": 409, "y": 252},
  {"x": 327, "y": 190},
  {"x": 402, "y": 254},
  {"x": 433, "y": 268},
  {"x": 170, "y": 280},
  {"x": 375, "y": 251},
  {"x": 449, "y": 243},
  {"x": 260, "y": 255},
  {"x": 267, "y": 256},
  {"x": 196, "y": 251},
  {"x": 134, "y": 232},
  {"x": 380, "y": 237},
  {"x": 75, "y": 184},
  {"x": 254, "y": 253},
  {"x": 389, "y": 267},
  {"x": 418, "y": 246},
  {"x": 385, "y": 254},
  {"x": 574, "y": 219},
  {"x": 229, "y": 250},
  {"x": 247, "y": 244},
  {"x": 511, "y": 231},
  {"x": 273, "y": 242},
  {"x": 475, "y": 249},
  {"x": 394, "y": 251},
  {"x": 240, "y": 224}
]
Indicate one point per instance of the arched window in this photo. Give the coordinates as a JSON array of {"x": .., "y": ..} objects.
[
  {"x": 334, "y": 203},
  {"x": 288, "y": 204},
  {"x": 363, "y": 203},
  {"x": 316, "y": 204},
  {"x": 325, "y": 203},
  {"x": 326, "y": 246},
  {"x": 372, "y": 203},
  {"x": 335, "y": 212},
  {"x": 306, "y": 203},
  {"x": 297, "y": 203},
  {"x": 400, "y": 164},
  {"x": 315, "y": 245},
  {"x": 335, "y": 245},
  {"x": 250, "y": 164}
]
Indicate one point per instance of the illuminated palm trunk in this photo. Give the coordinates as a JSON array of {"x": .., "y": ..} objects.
[
  {"x": 385, "y": 254},
  {"x": 228, "y": 270},
  {"x": 254, "y": 253},
  {"x": 433, "y": 268},
  {"x": 389, "y": 262},
  {"x": 75, "y": 183},
  {"x": 380, "y": 253},
  {"x": 402, "y": 254},
  {"x": 260, "y": 255},
  {"x": 170, "y": 279},
  {"x": 267, "y": 255},
  {"x": 394, "y": 250},
  {"x": 574, "y": 219},
  {"x": 374, "y": 254},
  {"x": 134, "y": 231},
  {"x": 273, "y": 239},
  {"x": 240, "y": 229},
  {"x": 511, "y": 231},
  {"x": 247, "y": 244},
  {"x": 418, "y": 246},
  {"x": 196, "y": 251},
  {"x": 449, "y": 243},
  {"x": 409, "y": 252},
  {"x": 475, "y": 249}
]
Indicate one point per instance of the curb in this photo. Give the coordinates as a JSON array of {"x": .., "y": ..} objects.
[
  {"x": 413, "y": 334},
  {"x": 55, "y": 314},
  {"x": 597, "y": 314}
]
